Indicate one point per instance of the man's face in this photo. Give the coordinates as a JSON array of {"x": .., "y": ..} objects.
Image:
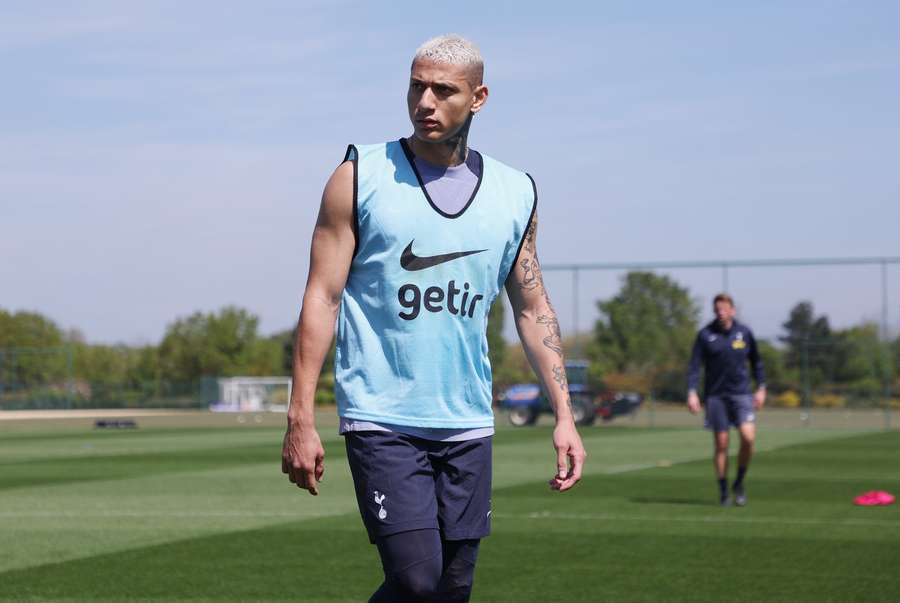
[
  {"x": 724, "y": 313},
  {"x": 440, "y": 99}
]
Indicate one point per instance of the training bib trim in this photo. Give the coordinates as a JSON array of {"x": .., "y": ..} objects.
[
  {"x": 352, "y": 155},
  {"x": 410, "y": 157}
]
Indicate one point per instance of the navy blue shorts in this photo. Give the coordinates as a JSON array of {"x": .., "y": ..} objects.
[
  {"x": 725, "y": 411},
  {"x": 407, "y": 483}
]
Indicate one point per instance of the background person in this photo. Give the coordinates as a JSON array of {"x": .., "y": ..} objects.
[{"x": 724, "y": 348}]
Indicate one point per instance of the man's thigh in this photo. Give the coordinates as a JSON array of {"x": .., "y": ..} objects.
[
  {"x": 718, "y": 417},
  {"x": 743, "y": 411},
  {"x": 463, "y": 488},
  {"x": 394, "y": 482}
]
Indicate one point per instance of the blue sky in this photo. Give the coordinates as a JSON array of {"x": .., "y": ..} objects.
[{"x": 158, "y": 158}]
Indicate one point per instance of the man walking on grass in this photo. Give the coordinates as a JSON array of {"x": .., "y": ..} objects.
[
  {"x": 724, "y": 347},
  {"x": 414, "y": 240}
]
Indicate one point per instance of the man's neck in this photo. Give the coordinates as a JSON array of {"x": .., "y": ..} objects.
[
  {"x": 726, "y": 326},
  {"x": 450, "y": 152}
]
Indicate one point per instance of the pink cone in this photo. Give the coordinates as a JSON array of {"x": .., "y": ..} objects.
[{"x": 874, "y": 498}]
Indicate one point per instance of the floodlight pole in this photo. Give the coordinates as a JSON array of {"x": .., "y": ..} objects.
[
  {"x": 886, "y": 340},
  {"x": 807, "y": 394},
  {"x": 70, "y": 386},
  {"x": 577, "y": 345}
]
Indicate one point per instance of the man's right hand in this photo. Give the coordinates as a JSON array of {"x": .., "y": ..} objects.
[
  {"x": 693, "y": 402},
  {"x": 303, "y": 457}
]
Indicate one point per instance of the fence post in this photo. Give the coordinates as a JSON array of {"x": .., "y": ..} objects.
[
  {"x": 807, "y": 397},
  {"x": 69, "y": 384},
  {"x": 888, "y": 357},
  {"x": 575, "y": 311}
]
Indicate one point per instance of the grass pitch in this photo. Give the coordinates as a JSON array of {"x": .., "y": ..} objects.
[{"x": 198, "y": 509}]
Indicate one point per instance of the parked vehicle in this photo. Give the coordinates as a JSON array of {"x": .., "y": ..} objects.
[
  {"x": 525, "y": 402},
  {"x": 619, "y": 404}
]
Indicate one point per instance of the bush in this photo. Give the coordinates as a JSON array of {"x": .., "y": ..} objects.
[
  {"x": 788, "y": 399},
  {"x": 829, "y": 401}
]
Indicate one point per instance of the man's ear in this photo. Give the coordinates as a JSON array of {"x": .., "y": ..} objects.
[{"x": 481, "y": 95}]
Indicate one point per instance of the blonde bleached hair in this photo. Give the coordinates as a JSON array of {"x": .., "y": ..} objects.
[{"x": 453, "y": 49}]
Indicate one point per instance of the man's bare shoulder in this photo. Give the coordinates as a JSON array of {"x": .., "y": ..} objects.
[{"x": 337, "y": 199}]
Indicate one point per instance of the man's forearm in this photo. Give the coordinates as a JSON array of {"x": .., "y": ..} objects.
[
  {"x": 315, "y": 330},
  {"x": 542, "y": 340}
]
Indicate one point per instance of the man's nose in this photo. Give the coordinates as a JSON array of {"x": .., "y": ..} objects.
[{"x": 426, "y": 101}]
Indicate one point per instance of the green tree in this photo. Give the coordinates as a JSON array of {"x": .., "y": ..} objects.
[
  {"x": 103, "y": 363},
  {"x": 647, "y": 329},
  {"x": 146, "y": 366},
  {"x": 894, "y": 366},
  {"x": 811, "y": 344},
  {"x": 859, "y": 354},
  {"x": 30, "y": 350},
  {"x": 217, "y": 344},
  {"x": 777, "y": 377},
  {"x": 861, "y": 365}
]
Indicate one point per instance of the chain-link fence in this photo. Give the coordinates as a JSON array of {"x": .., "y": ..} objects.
[
  {"x": 829, "y": 332},
  {"x": 45, "y": 378}
]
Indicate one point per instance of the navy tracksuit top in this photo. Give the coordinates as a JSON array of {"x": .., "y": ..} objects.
[{"x": 725, "y": 355}]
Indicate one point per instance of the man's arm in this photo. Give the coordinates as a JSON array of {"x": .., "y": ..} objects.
[
  {"x": 693, "y": 400},
  {"x": 333, "y": 241},
  {"x": 759, "y": 374},
  {"x": 541, "y": 337}
]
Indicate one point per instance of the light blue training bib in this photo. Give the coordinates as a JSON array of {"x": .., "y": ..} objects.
[{"x": 411, "y": 340}]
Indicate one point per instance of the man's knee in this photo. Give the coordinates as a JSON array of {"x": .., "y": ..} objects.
[
  {"x": 418, "y": 582},
  {"x": 721, "y": 441},
  {"x": 412, "y": 564},
  {"x": 459, "y": 571}
]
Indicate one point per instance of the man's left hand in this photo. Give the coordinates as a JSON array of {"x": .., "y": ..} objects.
[
  {"x": 759, "y": 398},
  {"x": 570, "y": 456}
]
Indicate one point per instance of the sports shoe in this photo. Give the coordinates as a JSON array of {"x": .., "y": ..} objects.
[
  {"x": 724, "y": 500},
  {"x": 740, "y": 497}
]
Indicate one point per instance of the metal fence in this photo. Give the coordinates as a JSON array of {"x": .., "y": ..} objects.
[
  {"x": 815, "y": 381},
  {"x": 44, "y": 378},
  {"x": 851, "y": 292}
]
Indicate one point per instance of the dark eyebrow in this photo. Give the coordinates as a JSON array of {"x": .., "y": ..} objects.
[{"x": 441, "y": 83}]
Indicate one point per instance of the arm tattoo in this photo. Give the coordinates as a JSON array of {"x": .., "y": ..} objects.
[
  {"x": 531, "y": 279},
  {"x": 559, "y": 375},
  {"x": 529, "y": 236},
  {"x": 531, "y": 267},
  {"x": 554, "y": 339}
]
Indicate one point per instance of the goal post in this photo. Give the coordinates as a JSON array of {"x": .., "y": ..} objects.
[{"x": 252, "y": 394}]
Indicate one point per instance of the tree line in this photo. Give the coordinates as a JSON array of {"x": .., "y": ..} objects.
[
  {"x": 640, "y": 342},
  {"x": 43, "y": 365},
  {"x": 645, "y": 333},
  {"x": 643, "y": 338}
]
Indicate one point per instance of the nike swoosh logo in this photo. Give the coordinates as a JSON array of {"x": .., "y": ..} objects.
[{"x": 410, "y": 261}]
